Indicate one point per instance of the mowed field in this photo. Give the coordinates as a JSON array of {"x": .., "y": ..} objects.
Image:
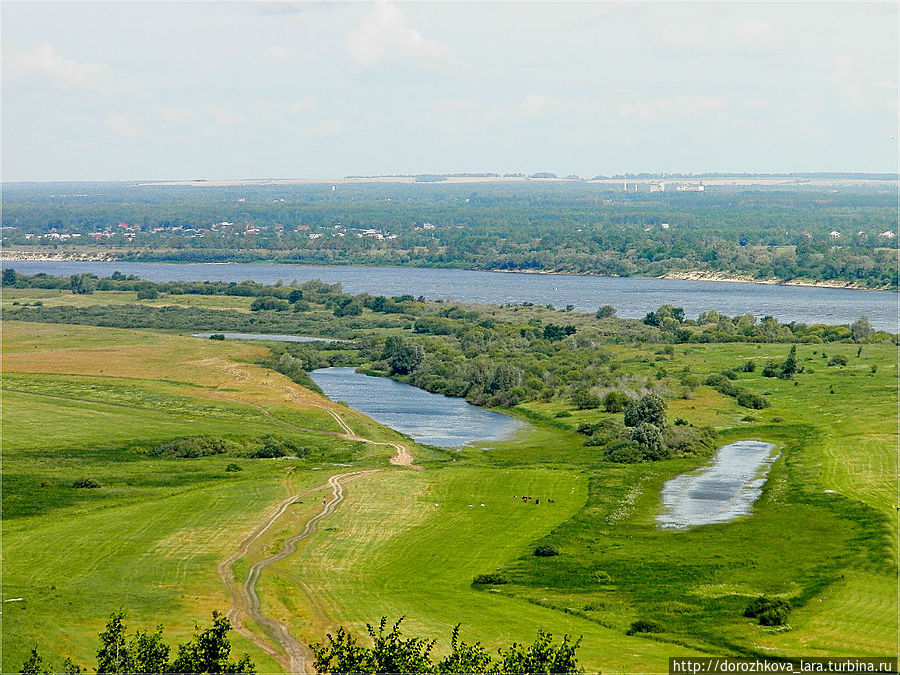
[
  {"x": 88, "y": 403},
  {"x": 82, "y": 402}
]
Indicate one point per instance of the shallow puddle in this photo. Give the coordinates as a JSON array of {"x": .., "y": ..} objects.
[{"x": 721, "y": 491}]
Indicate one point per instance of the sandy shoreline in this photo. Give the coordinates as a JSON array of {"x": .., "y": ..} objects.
[{"x": 19, "y": 255}]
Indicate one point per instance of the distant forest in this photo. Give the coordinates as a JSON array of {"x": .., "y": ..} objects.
[{"x": 844, "y": 235}]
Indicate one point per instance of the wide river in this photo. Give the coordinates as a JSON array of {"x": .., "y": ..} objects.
[
  {"x": 631, "y": 296},
  {"x": 425, "y": 417}
]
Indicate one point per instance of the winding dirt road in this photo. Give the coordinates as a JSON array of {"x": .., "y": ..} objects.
[{"x": 288, "y": 651}]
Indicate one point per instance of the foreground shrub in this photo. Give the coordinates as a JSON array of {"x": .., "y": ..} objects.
[
  {"x": 207, "y": 651},
  {"x": 545, "y": 551},
  {"x": 393, "y": 653}
]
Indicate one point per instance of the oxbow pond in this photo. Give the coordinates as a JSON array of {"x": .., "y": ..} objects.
[
  {"x": 427, "y": 418},
  {"x": 721, "y": 491}
]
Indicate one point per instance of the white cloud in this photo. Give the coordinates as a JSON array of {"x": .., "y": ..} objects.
[
  {"x": 275, "y": 55},
  {"x": 386, "y": 36},
  {"x": 668, "y": 108},
  {"x": 843, "y": 66},
  {"x": 754, "y": 33},
  {"x": 120, "y": 124},
  {"x": 536, "y": 105},
  {"x": 225, "y": 116},
  {"x": 43, "y": 61},
  {"x": 302, "y": 105},
  {"x": 175, "y": 114}
]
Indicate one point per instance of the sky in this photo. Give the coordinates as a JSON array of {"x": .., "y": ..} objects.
[{"x": 216, "y": 90}]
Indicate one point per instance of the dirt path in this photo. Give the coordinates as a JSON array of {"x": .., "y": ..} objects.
[
  {"x": 403, "y": 456},
  {"x": 245, "y": 601},
  {"x": 293, "y": 658}
]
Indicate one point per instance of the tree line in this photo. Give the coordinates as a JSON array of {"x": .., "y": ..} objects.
[
  {"x": 209, "y": 651},
  {"x": 574, "y": 228}
]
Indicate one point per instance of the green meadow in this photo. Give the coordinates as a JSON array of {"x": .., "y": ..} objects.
[{"x": 93, "y": 403}]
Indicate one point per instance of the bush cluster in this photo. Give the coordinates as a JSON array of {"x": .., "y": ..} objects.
[{"x": 768, "y": 611}]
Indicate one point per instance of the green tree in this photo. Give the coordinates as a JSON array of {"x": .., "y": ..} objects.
[
  {"x": 9, "y": 277},
  {"x": 650, "y": 409},
  {"x": 789, "y": 367},
  {"x": 81, "y": 284},
  {"x": 615, "y": 402},
  {"x": 34, "y": 664},
  {"x": 464, "y": 658},
  {"x": 114, "y": 655},
  {"x": 555, "y": 333},
  {"x": 392, "y": 653},
  {"x": 649, "y": 438},
  {"x": 149, "y": 652},
  {"x": 395, "y": 654},
  {"x": 860, "y": 329},
  {"x": 606, "y": 312},
  {"x": 585, "y": 400},
  {"x": 542, "y": 656},
  {"x": 209, "y": 651},
  {"x": 402, "y": 357}
]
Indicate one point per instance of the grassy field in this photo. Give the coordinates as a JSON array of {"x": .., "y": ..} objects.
[
  {"x": 150, "y": 537},
  {"x": 51, "y": 297},
  {"x": 83, "y": 402}
]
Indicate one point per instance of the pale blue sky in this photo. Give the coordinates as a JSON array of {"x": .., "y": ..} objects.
[{"x": 302, "y": 90}]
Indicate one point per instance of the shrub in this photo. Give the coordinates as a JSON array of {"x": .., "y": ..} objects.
[
  {"x": 748, "y": 366},
  {"x": 643, "y": 626},
  {"x": 768, "y": 611},
  {"x": 691, "y": 381},
  {"x": 545, "y": 551},
  {"x": 489, "y": 580},
  {"x": 615, "y": 402},
  {"x": 650, "y": 409},
  {"x": 190, "y": 447},
  {"x": 217, "y": 336},
  {"x": 771, "y": 370},
  {"x": 624, "y": 452},
  {"x": 750, "y": 400},
  {"x": 563, "y": 413},
  {"x": 147, "y": 294},
  {"x": 233, "y": 467},
  {"x": 777, "y": 616},
  {"x": 585, "y": 400},
  {"x": 837, "y": 360},
  {"x": 86, "y": 483},
  {"x": 268, "y": 302}
]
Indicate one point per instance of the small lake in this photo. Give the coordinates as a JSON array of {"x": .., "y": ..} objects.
[
  {"x": 266, "y": 336},
  {"x": 720, "y": 492},
  {"x": 427, "y": 418},
  {"x": 632, "y": 297}
]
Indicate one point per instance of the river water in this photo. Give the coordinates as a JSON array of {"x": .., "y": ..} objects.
[
  {"x": 631, "y": 296},
  {"x": 427, "y": 418},
  {"x": 720, "y": 492}
]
